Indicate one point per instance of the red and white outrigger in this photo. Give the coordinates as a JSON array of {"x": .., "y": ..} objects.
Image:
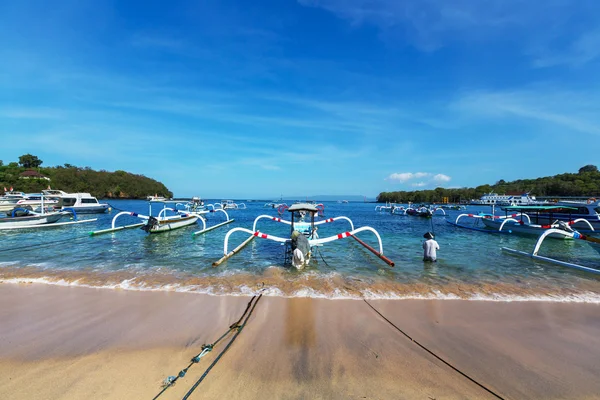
[
  {"x": 303, "y": 237},
  {"x": 560, "y": 232}
]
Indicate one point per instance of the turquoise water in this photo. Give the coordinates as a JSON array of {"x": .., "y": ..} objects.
[{"x": 470, "y": 264}]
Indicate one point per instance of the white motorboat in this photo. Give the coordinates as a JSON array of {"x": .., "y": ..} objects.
[
  {"x": 9, "y": 200},
  {"x": 82, "y": 203},
  {"x": 35, "y": 200},
  {"x": 156, "y": 197}
]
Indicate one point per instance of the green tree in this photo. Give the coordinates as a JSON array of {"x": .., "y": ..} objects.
[
  {"x": 30, "y": 161},
  {"x": 588, "y": 168}
]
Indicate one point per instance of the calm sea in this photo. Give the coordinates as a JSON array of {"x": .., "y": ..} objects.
[{"x": 471, "y": 265}]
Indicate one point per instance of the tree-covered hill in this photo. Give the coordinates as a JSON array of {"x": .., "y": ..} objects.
[
  {"x": 29, "y": 176},
  {"x": 586, "y": 182}
]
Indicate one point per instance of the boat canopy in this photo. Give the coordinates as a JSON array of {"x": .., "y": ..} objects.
[
  {"x": 303, "y": 207},
  {"x": 538, "y": 208}
]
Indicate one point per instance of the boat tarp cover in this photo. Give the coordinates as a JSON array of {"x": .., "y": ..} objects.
[
  {"x": 538, "y": 208},
  {"x": 303, "y": 207}
]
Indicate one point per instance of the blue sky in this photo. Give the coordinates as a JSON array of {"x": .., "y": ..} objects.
[{"x": 256, "y": 99}]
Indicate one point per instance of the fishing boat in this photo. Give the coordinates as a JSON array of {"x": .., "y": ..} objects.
[
  {"x": 303, "y": 239},
  {"x": 567, "y": 234},
  {"x": 423, "y": 211},
  {"x": 388, "y": 207},
  {"x": 455, "y": 207},
  {"x": 22, "y": 218},
  {"x": 168, "y": 219},
  {"x": 524, "y": 220},
  {"x": 231, "y": 205},
  {"x": 588, "y": 210}
]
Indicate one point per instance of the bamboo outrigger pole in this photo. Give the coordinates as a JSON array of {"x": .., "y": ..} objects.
[
  {"x": 232, "y": 252},
  {"x": 372, "y": 250}
]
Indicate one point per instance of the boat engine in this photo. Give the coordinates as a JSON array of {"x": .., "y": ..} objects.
[
  {"x": 564, "y": 226},
  {"x": 300, "y": 250},
  {"x": 152, "y": 222}
]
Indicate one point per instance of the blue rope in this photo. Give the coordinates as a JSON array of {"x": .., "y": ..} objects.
[
  {"x": 188, "y": 394},
  {"x": 207, "y": 348}
]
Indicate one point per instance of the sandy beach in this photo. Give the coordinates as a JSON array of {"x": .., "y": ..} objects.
[{"x": 82, "y": 343}]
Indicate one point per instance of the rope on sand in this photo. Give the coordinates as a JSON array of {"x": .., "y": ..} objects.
[
  {"x": 239, "y": 330},
  {"x": 435, "y": 355},
  {"x": 207, "y": 348}
]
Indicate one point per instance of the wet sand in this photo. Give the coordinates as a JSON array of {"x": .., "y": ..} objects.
[{"x": 81, "y": 343}]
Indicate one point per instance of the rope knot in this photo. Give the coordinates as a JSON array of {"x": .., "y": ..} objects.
[{"x": 169, "y": 381}]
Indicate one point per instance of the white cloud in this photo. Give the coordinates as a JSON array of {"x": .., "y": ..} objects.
[
  {"x": 403, "y": 177},
  {"x": 441, "y": 178}
]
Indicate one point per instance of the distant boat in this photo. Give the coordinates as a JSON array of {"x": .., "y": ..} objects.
[
  {"x": 344, "y": 201},
  {"x": 523, "y": 199},
  {"x": 9, "y": 200},
  {"x": 156, "y": 198}
]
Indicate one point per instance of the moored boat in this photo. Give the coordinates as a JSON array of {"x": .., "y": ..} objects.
[
  {"x": 524, "y": 220},
  {"x": 511, "y": 199},
  {"x": 303, "y": 238},
  {"x": 569, "y": 210}
]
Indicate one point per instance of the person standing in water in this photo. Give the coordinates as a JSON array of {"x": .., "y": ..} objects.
[{"x": 429, "y": 248}]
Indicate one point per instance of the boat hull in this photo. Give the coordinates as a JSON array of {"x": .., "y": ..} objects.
[
  {"x": 33, "y": 220},
  {"x": 524, "y": 229},
  {"x": 92, "y": 209},
  {"x": 174, "y": 223}
]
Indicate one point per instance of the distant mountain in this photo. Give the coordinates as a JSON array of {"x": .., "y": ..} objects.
[{"x": 330, "y": 197}]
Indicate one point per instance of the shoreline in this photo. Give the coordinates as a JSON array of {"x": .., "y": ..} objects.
[
  {"x": 332, "y": 287},
  {"x": 75, "y": 342}
]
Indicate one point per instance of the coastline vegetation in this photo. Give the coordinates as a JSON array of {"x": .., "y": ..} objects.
[
  {"x": 586, "y": 182},
  {"x": 29, "y": 176}
]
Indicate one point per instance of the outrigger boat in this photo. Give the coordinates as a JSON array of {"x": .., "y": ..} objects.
[
  {"x": 423, "y": 211},
  {"x": 303, "y": 236},
  {"x": 163, "y": 222},
  {"x": 567, "y": 233},
  {"x": 568, "y": 210},
  {"x": 524, "y": 225},
  {"x": 230, "y": 205},
  {"x": 389, "y": 207},
  {"x": 21, "y": 218}
]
